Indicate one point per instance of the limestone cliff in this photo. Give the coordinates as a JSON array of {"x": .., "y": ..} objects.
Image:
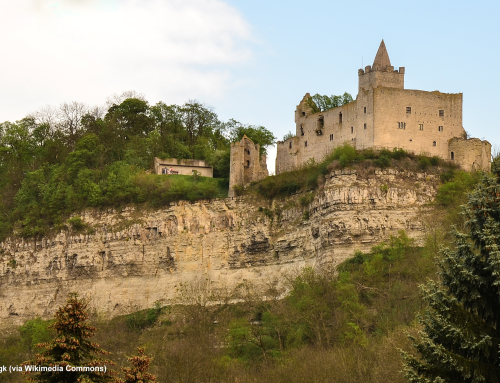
[{"x": 134, "y": 258}]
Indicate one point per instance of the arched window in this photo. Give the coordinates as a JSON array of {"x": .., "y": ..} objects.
[{"x": 433, "y": 143}]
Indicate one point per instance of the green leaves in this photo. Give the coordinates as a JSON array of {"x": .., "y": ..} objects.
[{"x": 319, "y": 103}]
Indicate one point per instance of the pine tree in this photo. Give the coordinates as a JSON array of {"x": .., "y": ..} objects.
[
  {"x": 460, "y": 339},
  {"x": 71, "y": 350},
  {"x": 139, "y": 372}
]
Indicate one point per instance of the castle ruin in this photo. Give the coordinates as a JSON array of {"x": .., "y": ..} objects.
[
  {"x": 385, "y": 115},
  {"x": 247, "y": 164}
]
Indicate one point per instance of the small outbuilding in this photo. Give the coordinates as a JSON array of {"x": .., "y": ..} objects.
[{"x": 184, "y": 167}]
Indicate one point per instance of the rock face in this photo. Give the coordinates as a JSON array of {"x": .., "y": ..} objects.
[{"x": 134, "y": 258}]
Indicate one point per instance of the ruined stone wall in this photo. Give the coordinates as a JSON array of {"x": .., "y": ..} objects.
[
  {"x": 246, "y": 164},
  {"x": 133, "y": 258},
  {"x": 390, "y": 109},
  {"x": 288, "y": 155},
  {"x": 470, "y": 154}
]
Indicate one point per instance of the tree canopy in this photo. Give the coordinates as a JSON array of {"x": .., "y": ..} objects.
[
  {"x": 319, "y": 103},
  {"x": 59, "y": 160},
  {"x": 460, "y": 338}
]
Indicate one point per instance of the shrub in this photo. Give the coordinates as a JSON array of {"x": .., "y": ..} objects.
[
  {"x": 144, "y": 318},
  {"x": 383, "y": 161},
  {"x": 76, "y": 223},
  {"x": 424, "y": 163}
]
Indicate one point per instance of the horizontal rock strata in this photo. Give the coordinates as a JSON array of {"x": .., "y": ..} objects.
[{"x": 134, "y": 258}]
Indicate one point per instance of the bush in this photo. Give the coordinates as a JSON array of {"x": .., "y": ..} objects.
[{"x": 143, "y": 319}]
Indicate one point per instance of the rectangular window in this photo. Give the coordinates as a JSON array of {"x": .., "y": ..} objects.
[
  {"x": 441, "y": 113},
  {"x": 364, "y": 126},
  {"x": 305, "y": 144},
  {"x": 440, "y": 128},
  {"x": 421, "y": 126},
  {"x": 352, "y": 129},
  {"x": 365, "y": 109},
  {"x": 408, "y": 110},
  {"x": 331, "y": 137}
]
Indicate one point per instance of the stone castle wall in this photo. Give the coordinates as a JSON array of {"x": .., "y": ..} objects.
[
  {"x": 391, "y": 106},
  {"x": 246, "y": 164},
  {"x": 471, "y": 154},
  {"x": 384, "y": 115}
]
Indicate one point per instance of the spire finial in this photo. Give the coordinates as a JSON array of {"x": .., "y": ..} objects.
[{"x": 382, "y": 60}]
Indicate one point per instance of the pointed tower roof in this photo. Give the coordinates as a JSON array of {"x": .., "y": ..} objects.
[{"x": 382, "y": 60}]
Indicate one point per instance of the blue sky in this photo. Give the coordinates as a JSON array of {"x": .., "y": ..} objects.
[{"x": 251, "y": 60}]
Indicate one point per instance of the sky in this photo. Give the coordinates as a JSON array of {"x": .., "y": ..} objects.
[{"x": 250, "y": 60}]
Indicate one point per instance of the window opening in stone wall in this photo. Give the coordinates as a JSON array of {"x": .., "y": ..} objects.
[
  {"x": 440, "y": 128},
  {"x": 331, "y": 137},
  {"x": 352, "y": 129},
  {"x": 452, "y": 156},
  {"x": 364, "y": 126},
  {"x": 303, "y": 113},
  {"x": 248, "y": 151},
  {"x": 305, "y": 144},
  {"x": 290, "y": 145},
  {"x": 301, "y": 130},
  {"x": 408, "y": 110},
  {"x": 433, "y": 143},
  {"x": 320, "y": 124},
  {"x": 441, "y": 113},
  {"x": 248, "y": 163},
  {"x": 421, "y": 126},
  {"x": 401, "y": 125},
  {"x": 340, "y": 118},
  {"x": 365, "y": 109}
]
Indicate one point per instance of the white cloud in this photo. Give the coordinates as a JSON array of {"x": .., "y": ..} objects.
[{"x": 85, "y": 50}]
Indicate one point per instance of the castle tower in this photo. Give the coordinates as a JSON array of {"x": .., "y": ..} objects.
[
  {"x": 381, "y": 73},
  {"x": 246, "y": 164}
]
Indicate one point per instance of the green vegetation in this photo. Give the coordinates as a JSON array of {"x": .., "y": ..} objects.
[
  {"x": 311, "y": 175},
  {"x": 71, "y": 347},
  {"x": 60, "y": 161},
  {"x": 459, "y": 339},
  {"x": 319, "y": 103},
  {"x": 343, "y": 325}
]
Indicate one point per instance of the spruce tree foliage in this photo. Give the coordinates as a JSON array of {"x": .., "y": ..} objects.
[
  {"x": 71, "y": 347},
  {"x": 460, "y": 339},
  {"x": 140, "y": 366}
]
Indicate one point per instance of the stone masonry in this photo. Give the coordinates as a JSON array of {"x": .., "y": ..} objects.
[
  {"x": 385, "y": 115},
  {"x": 247, "y": 165}
]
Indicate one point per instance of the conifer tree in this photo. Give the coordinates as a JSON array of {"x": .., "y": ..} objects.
[
  {"x": 71, "y": 350},
  {"x": 140, "y": 366},
  {"x": 460, "y": 337}
]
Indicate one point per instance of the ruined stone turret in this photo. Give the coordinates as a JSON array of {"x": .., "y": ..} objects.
[{"x": 247, "y": 165}]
